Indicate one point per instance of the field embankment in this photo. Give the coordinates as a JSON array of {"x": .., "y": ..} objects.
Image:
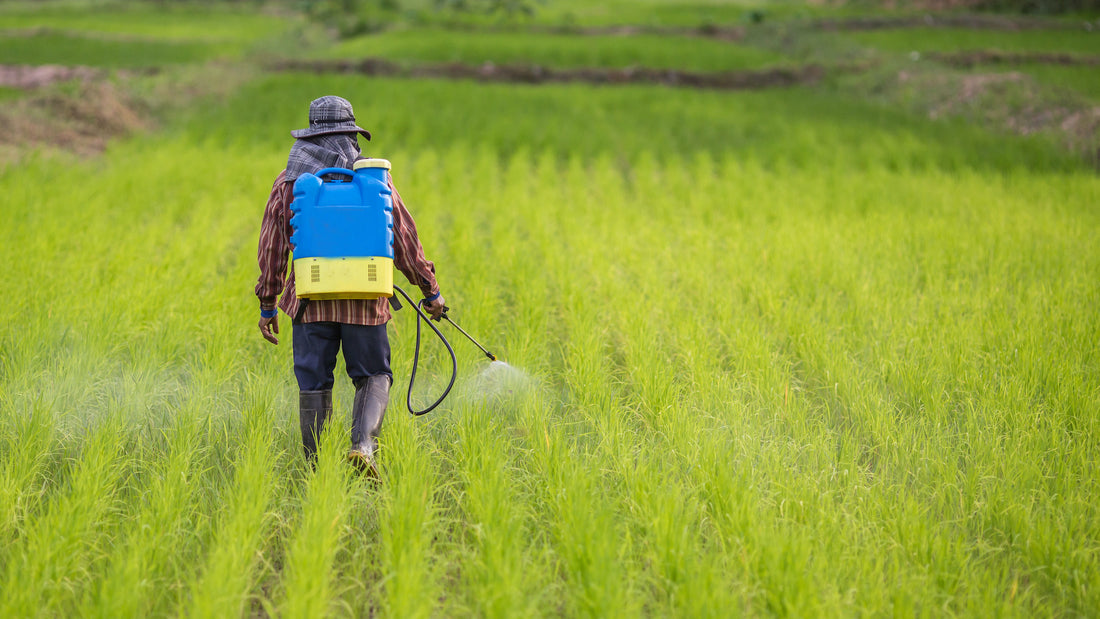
[{"x": 538, "y": 74}]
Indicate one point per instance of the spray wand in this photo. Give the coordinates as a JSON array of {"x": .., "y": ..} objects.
[
  {"x": 416, "y": 353},
  {"x": 491, "y": 356}
]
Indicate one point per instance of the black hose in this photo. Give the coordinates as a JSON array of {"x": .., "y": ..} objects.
[{"x": 416, "y": 357}]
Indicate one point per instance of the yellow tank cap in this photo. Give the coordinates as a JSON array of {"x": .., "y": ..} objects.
[{"x": 371, "y": 163}]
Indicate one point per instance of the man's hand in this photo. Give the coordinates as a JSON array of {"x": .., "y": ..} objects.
[
  {"x": 436, "y": 308},
  {"x": 267, "y": 325}
]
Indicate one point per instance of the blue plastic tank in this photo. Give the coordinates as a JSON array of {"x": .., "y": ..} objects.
[
  {"x": 336, "y": 218},
  {"x": 343, "y": 232}
]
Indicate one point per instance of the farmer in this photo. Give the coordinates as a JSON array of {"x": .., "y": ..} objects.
[{"x": 320, "y": 327}]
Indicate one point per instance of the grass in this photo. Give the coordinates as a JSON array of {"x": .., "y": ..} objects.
[{"x": 555, "y": 50}]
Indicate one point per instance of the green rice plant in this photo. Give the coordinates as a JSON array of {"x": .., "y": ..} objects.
[
  {"x": 555, "y": 50},
  {"x": 171, "y": 372},
  {"x": 799, "y": 127},
  {"x": 57, "y": 552},
  {"x": 357, "y": 572},
  {"x": 28, "y": 451},
  {"x": 225, "y": 581},
  {"x": 144, "y": 569},
  {"x": 500, "y": 577},
  {"x": 774, "y": 580},
  {"x": 308, "y": 571},
  {"x": 574, "y": 14},
  {"x": 408, "y": 583}
]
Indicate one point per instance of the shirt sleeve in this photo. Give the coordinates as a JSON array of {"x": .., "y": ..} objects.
[
  {"x": 408, "y": 255},
  {"x": 274, "y": 247}
]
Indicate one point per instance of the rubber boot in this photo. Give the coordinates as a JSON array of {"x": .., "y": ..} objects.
[
  {"x": 314, "y": 408},
  {"x": 372, "y": 394}
]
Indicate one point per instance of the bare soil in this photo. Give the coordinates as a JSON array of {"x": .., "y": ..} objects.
[
  {"x": 1013, "y": 101},
  {"x": 80, "y": 120},
  {"x": 36, "y": 76}
]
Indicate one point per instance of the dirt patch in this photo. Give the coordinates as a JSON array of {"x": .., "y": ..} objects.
[
  {"x": 966, "y": 92},
  {"x": 80, "y": 120},
  {"x": 36, "y": 76},
  {"x": 974, "y": 58},
  {"x": 79, "y": 110},
  {"x": 535, "y": 74},
  {"x": 1012, "y": 101}
]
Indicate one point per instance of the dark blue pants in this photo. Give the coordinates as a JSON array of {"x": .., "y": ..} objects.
[{"x": 366, "y": 352}]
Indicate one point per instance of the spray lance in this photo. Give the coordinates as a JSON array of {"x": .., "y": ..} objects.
[
  {"x": 491, "y": 356},
  {"x": 421, "y": 316}
]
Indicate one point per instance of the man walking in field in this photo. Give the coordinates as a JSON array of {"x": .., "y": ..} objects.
[{"x": 322, "y": 326}]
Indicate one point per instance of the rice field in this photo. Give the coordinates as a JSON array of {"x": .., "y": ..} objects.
[
  {"x": 61, "y": 48},
  {"x": 131, "y": 35},
  {"x": 556, "y": 50},
  {"x": 181, "y": 22},
  {"x": 777, "y": 353},
  {"x": 1072, "y": 41}
]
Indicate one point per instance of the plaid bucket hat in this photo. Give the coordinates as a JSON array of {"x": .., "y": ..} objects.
[{"x": 328, "y": 115}]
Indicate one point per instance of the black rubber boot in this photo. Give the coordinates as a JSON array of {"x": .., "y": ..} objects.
[
  {"x": 314, "y": 408},
  {"x": 372, "y": 394}
]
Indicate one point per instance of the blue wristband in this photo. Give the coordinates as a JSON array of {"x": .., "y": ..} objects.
[
  {"x": 433, "y": 297},
  {"x": 271, "y": 313}
]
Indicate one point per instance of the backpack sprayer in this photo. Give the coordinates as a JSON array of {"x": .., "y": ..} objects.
[{"x": 343, "y": 248}]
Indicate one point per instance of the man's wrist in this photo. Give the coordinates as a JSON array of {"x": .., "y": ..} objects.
[
  {"x": 269, "y": 312},
  {"x": 433, "y": 297}
]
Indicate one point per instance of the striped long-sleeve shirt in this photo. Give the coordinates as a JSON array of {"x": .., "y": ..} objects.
[{"x": 275, "y": 231}]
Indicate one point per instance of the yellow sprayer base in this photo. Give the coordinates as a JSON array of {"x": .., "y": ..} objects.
[{"x": 343, "y": 278}]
